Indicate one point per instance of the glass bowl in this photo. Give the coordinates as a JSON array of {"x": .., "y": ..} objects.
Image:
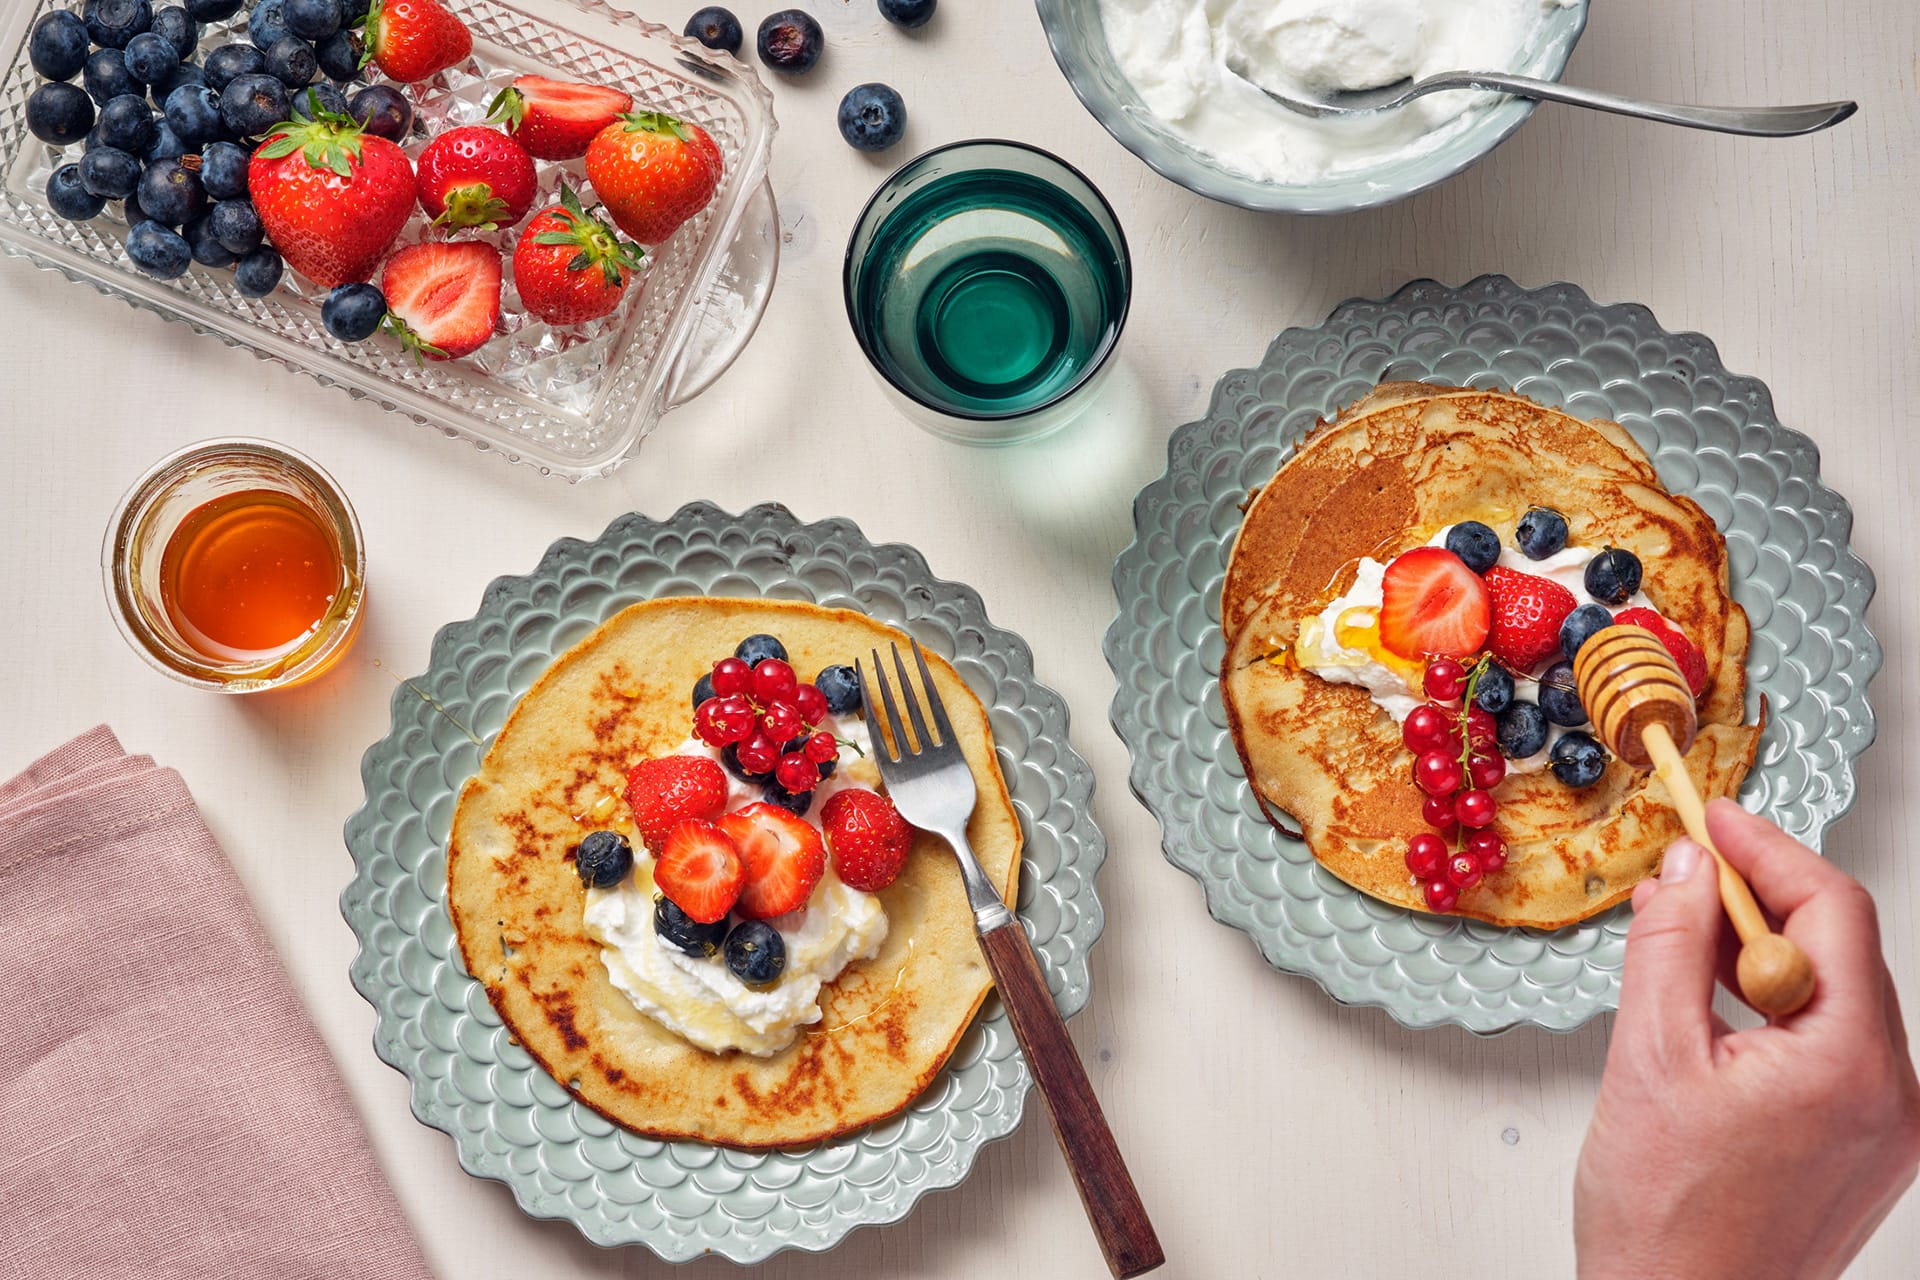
[
  {"x": 573, "y": 402},
  {"x": 1079, "y": 40}
]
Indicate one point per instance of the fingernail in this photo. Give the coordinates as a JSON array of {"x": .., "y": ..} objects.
[{"x": 1681, "y": 861}]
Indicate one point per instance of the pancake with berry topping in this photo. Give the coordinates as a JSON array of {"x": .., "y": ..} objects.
[
  {"x": 1323, "y": 697},
  {"x": 559, "y": 769}
]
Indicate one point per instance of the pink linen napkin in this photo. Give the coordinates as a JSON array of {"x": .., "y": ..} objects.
[{"x": 167, "y": 1109}]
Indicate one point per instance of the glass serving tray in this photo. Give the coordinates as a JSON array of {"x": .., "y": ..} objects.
[{"x": 573, "y": 402}]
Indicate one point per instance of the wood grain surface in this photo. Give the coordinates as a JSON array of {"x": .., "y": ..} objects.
[{"x": 1273, "y": 1132}]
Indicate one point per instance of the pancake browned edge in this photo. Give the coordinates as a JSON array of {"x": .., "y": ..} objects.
[
  {"x": 889, "y": 1023},
  {"x": 1383, "y": 477}
]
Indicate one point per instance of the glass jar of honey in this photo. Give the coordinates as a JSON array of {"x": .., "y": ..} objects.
[{"x": 236, "y": 565}]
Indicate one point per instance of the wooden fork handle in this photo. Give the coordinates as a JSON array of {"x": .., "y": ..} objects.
[{"x": 1106, "y": 1188}]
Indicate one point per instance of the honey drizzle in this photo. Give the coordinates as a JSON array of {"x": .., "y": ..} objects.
[
  {"x": 429, "y": 699},
  {"x": 893, "y": 994}
]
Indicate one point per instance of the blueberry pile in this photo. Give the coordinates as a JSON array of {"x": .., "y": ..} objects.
[{"x": 169, "y": 138}]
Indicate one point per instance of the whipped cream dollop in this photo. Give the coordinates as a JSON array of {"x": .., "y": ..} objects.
[{"x": 1176, "y": 54}]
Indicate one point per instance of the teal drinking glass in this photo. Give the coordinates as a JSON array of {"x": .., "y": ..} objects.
[{"x": 988, "y": 282}]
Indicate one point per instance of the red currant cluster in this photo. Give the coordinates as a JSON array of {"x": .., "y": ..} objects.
[
  {"x": 1457, "y": 763},
  {"x": 768, "y": 717}
]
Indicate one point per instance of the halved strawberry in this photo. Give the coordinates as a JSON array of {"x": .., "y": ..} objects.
[
  {"x": 444, "y": 297},
  {"x": 1527, "y": 613},
  {"x": 869, "y": 838},
  {"x": 783, "y": 856},
  {"x": 1686, "y": 654},
  {"x": 670, "y": 789},
  {"x": 700, "y": 869},
  {"x": 1432, "y": 605},
  {"x": 556, "y": 119}
]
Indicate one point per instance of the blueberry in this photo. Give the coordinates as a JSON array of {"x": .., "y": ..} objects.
[
  {"x": 231, "y": 60},
  {"x": 1541, "y": 532},
  {"x": 1493, "y": 692},
  {"x": 1580, "y": 625},
  {"x": 383, "y": 111},
  {"x": 352, "y": 11},
  {"x": 59, "y": 113},
  {"x": 1474, "y": 543},
  {"x": 130, "y": 211},
  {"x": 840, "y": 686},
  {"x": 796, "y": 803},
  {"x": 1578, "y": 760},
  {"x": 716, "y": 28},
  {"x": 703, "y": 689},
  {"x": 755, "y": 953},
  {"x": 312, "y": 19},
  {"x": 213, "y": 10},
  {"x": 267, "y": 24},
  {"x": 166, "y": 145},
  {"x": 252, "y": 104},
  {"x": 321, "y": 97},
  {"x": 1613, "y": 576},
  {"x": 170, "y": 192},
  {"x": 223, "y": 170},
  {"x": 292, "y": 62},
  {"x": 127, "y": 123},
  {"x": 827, "y": 767},
  {"x": 69, "y": 197},
  {"x": 681, "y": 931},
  {"x": 758, "y": 648},
  {"x": 872, "y": 117},
  {"x": 59, "y": 44},
  {"x": 193, "y": 113},
  {"x": 1521, "y": 731},
  {"x": 183, "y": 75},
  {"x": 206, "y": 246},
  {"x": 106, "y": 76},
  {"x": 791, "y": 41},
  {"x": 603, "y": 859},
  {"x": 339, "y": 56},
  {"x": 236, "y": 225},
  {"x": 1560, "y": 697},
  {"x": 112, "y": 23},
  {"x": 256, "y": 273},
  {"x": 352, "y": 312},
  {"x": 180, "y": 29},
  {"x": 110, "y": 173},
  {"x": 159, "y": 251},
  {"x": 151, "y": 57},
  {"x": 907, "y": 13}
]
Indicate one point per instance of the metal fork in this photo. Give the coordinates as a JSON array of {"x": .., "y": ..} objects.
[{"x": 932, "y": 787}]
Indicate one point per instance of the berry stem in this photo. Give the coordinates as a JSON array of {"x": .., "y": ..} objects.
[{"x": 1474, "y": 673}]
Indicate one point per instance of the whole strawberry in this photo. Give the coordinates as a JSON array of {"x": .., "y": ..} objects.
[
  {"x": 653, "y": 172},
  {"x": 867, "y": 836},
  {"x": 556, "y": 119},
  {"x": 414, "y": 39},
  {"x": 1527, "y": 613},
  {"x": 569, "y": 266},
  {"x": 331, "y": 196},
  {"x": 671, "y": 789},
  {"x": 475, "y": 177}
]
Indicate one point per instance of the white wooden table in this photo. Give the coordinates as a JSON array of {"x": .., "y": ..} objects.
[{"x": 1272, "y": 1132}]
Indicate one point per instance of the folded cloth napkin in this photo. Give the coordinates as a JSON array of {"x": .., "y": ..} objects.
[{"x": 166, "y": 1107}]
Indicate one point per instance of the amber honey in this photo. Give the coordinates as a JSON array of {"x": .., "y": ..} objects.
[{"x": 248, "y": 575}]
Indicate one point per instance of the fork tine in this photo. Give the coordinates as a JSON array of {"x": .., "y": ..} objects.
[
  {"x": 912, "y": 699},
  {"x": 893, "y": 726},
  {"x": 935, "y": 707}
]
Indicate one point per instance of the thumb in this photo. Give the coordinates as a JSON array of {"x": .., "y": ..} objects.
[{"x": 1666, "y": 989}]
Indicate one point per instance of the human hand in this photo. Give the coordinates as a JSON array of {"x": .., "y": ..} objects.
[{"x": 1773, "y": 1151}]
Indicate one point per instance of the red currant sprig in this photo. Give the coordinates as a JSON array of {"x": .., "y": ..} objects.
[
  {"x": 770, "y": 719},
  {"x": 1457, "y": 764}
]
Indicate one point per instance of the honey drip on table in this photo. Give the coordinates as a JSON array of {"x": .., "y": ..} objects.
[{"x": 248, "y": 575}]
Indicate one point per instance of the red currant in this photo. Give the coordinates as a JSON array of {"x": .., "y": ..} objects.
[
  {"x": 1482, "y": 730},
  {"x": 1428, "y": 728},
  {"x": 821, "y": 748},
  {"x": 1446, "y": 680},
  {"x": 796, "y": 773},
  {"x": 1438, "y": 811},
  {"x": 1426, "y": 855},
  {"x": 1486, "y": 770},
  {"x": 811, "y": 703},
  {"x": 758, "y": 754},
  {"x": 731, "y": 675},
  {"x": 1474, "y": 808},
  {"x": 1441, "y": 896},
  {"x": 1437, "y": 773},
  {"x": 781, "y": 722},
  {"x": 773, "y": 681},
  {"x": 1489, "y": 848},
  {"x": 1463, "y": 871},
  {"x": 706, "y": 723}
]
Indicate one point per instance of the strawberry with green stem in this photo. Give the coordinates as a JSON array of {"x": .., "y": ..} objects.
[
  {"x": 652, "y": 172},
  {"x": 413, "y": 40},
  {"x": 331, "y": 197},
  {"x": 570, "y": 266}
]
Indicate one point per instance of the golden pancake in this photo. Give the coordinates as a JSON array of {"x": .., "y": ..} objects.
[
  {"x": 1383, "y": 478},
  {"x": 620, "y": 695}
]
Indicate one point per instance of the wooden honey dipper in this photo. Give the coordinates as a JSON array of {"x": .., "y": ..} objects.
[{"x": 1640, "y": 704}]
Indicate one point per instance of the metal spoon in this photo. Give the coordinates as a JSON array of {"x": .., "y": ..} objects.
[{"x": 1760, "y": 122}]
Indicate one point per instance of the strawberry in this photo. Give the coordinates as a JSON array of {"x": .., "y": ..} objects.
[
  {"x": 569, "y": 266},
  {"x": 868, "y": 837},
  {"x": 784, "y": 859},
  {"x": 443, "y": 297},
  {"x": 475, "y": 177},
  {"x": 1432, "y": 605},
  {"x": 413, "y": 39},
  {"x": 331, "y": 196},
  {"x": 653, "y": 172},
  {"x": 1527, "y": 613},
  {"x": 670, "y": 789},
  {"x": 1686, "y": 654},
  {"x": 553, "y": 119},
  {"x": 699, "y": 869}
]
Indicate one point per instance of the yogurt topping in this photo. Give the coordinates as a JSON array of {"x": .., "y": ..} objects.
[{"x": 1175, "y": 52}]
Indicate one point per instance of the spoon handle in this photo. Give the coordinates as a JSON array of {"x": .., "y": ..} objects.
[{"x": 1762, "y": 122}]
